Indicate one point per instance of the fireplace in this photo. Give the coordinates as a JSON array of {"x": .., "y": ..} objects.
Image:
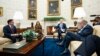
[
  {"x": 49, "y": 27},
  {"x": 49, "y": 30}
]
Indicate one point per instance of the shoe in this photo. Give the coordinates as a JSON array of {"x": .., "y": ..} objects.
[{"x": 64, "y": 52}]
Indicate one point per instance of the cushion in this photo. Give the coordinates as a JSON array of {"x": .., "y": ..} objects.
[
  {"x": 74, "y": 45},
  {"x": 56, "y": 34},
  {"x": 3, "y": 45},
  {"x": 4, "y": 40},
  {"x": 96, "y": 30}
]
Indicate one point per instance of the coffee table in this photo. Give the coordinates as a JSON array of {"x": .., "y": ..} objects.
[{"x": 26, "y": 49}]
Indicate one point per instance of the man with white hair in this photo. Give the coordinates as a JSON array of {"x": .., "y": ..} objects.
[
  {"x": 84, "y": 30},
  {"x": 61, "y": 28}
]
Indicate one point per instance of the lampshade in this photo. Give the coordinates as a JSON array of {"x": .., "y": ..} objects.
[
  {"x": 79, "y": 12},
  {"x": 18, "y": 15}
]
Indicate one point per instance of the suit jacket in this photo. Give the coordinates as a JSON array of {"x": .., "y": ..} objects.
[
  {"x": 86, "y": 31},
  {"x": 8, "y": 31},
  {"x": 63, "y": 27}
]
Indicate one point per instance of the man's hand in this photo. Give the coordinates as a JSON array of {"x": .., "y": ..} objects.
[
  {"x": 63, "y": 30},
  {"x": 79, "y": 26}
]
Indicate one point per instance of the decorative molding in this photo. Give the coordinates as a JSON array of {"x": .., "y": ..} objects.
[{"x": 52, "y": 18}]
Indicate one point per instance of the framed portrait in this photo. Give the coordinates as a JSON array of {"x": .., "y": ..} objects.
[
  {"x": 76, "y": 2},
  {"x": 1, "y": 11},
  {"x": 53, "y": 8},
  {"x": 32, "y": 9}
]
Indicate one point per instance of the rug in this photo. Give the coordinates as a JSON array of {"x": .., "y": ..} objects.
[{"x": 50, "y": 49}]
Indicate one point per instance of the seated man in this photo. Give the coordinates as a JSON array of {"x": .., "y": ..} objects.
[
  {"x": 10, "y": 31},
  {"x": 84, "y": 31},
  {"x": 89, "y": 46},
  {"x": 61, "y": 28}
]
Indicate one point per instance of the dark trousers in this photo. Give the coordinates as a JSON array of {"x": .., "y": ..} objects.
[
  {"x": 60, "y": 33},
  {"x": 89, "y": 46},
  {"x": 70, "y": 37},
  {"x": 15, "y": 38}
]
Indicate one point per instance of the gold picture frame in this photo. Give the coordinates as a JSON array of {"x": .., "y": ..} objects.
[
  {"x": 32, "y": 9},
  {"x": 76, "y": 2},
  {"x": 53, "y": 8},
  {"x": 1, "y": 11}
]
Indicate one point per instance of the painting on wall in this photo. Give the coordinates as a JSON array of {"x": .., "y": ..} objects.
[
  {"x": 1, "y": 11},
  {"x": 32, "y": 9},
  {"x": 76, "y": 2},
  {"x": 53, "y": 8}
]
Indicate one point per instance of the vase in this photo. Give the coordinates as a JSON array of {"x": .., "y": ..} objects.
[
  {"x": 29, "y": 39},
  {"x": 75, "y": 23}
]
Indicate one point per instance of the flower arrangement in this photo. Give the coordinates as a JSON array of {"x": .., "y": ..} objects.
[{"x": 29, "y": 35}]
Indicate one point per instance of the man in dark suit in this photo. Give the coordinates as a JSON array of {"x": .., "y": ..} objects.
[
  {"x": 84, "y": 31},
  {"x": 10, "y": 31},
  {"x": 90, "y": 45},
  {"x": 61, "y": 28}
]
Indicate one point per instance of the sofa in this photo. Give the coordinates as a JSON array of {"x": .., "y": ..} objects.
[
  {"x": 75, "y": 44},
  {"x": 3, "y": 41}
]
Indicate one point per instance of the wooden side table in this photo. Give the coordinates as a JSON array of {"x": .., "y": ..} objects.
[{"x": 72, "y": 29}]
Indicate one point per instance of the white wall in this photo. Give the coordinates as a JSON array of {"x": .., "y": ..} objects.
[
  {"x": 10, "y": 6},
  {"x": 91, "y": 7}
]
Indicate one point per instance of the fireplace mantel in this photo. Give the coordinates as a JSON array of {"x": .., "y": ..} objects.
[{"x": 52, "y": 18}]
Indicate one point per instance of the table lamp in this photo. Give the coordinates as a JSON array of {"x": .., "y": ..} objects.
[
  {"x": 79, "y": 13},
  {"x": 18, "y": 16}
]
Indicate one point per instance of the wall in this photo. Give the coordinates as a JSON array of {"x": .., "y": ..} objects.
[
  {"x": 91, "y": 7},
  {"x": 10, "y": 6}
]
